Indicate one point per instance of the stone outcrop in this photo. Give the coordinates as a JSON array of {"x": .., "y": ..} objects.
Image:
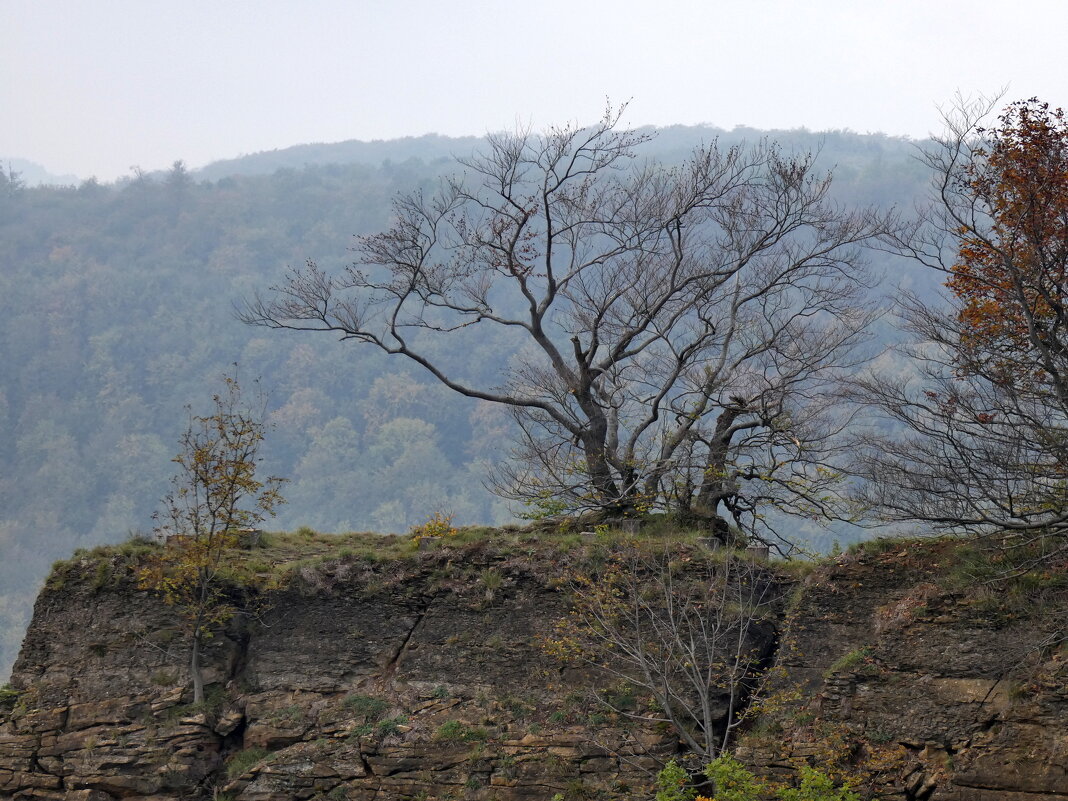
[
  {"x": 921, "y": 691},
  {"x": 424, "y": 678},
  {"x": 362, "y": 680}
]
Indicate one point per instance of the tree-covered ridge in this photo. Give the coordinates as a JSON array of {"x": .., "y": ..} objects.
[{"x": 116, "y": 311}]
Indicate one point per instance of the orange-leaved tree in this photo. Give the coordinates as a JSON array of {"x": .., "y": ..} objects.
[
  {"x": 215, "y": 498},
  {"x": 1013, "y": 259},
  {"x": 980, "y": 434}
]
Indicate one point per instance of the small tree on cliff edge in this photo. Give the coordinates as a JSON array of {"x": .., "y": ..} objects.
[{"x": 214, "y": 496}]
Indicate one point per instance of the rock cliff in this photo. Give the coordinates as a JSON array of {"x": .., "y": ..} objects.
[
  {"x": 422, "y": 676},
  {"x": 924, "y": 674},
  {"x": 403, "y": 677}
]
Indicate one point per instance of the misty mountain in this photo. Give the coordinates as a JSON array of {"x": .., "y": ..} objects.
[
  {"x": 30, "y": 173},
  {"x": 428, "y": 149}
]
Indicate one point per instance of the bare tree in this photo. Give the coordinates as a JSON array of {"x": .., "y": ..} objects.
[
  {"x": 678, "y": 331},
  {"x": 693, "y": 632},
  {"x": 981, "y": 435}
]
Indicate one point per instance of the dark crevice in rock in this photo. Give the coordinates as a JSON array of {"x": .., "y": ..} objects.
[
  {"x": 392, "y": 663},
  {"x": 234, "y": 741},
  {"x": 37, "y": 767},
  {"x": 366, "y": 765},
  {"x": 919, "y": 786},
  {"x": 769, "y": 638},
  {"x": 241, "y": 637}
]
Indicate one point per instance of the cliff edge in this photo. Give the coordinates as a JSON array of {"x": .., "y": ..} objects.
[{"x": 378, "y": 669}]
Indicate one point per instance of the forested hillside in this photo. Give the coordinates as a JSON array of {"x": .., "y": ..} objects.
[{"x": 117, "y": 311}]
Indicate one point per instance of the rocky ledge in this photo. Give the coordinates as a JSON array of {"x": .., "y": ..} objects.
[
  {"x": 424, "y": 677},
  {"x": 417, "y": 677}
]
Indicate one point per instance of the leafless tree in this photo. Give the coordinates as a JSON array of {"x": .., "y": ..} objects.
[
  {"x": 979, "y": 434},
  {"x": 679, "y": 331},
  {"x": 693, "y": 632}
]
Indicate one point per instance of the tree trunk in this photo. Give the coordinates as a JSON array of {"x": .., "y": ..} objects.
[
  {"x": 716, "y": 485},
  {"x": 608, "y": 497},
  {"x": 194, "y": 669},
  {"x": 593, "y": 447}
]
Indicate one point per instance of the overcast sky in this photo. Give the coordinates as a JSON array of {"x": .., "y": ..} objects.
[{"x": 92, "y": 87}]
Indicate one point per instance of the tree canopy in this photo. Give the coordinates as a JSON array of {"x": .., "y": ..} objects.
[{"x": 1011, "y": 277}]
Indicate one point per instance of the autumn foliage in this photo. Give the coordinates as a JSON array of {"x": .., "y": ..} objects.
[
  {"x": 982, "y": 441},
  {"x": 1012, "y": 267},
  {"x": 215, "y": 499}
]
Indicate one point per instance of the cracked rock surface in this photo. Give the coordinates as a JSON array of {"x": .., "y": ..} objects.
[
  {"x": 375, "y": 681},
  {"x": 919, "y": 690},
  {"x": 340, "y": 689}
]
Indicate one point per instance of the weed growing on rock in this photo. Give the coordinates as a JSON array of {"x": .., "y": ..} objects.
[
  {"x": 850, "y": 660},
  {"x": 391, "y": 726},
  {"x": 244, "y": 761},
  {"x": 366, "y": 705},
  {"x": 457, "y": 731}
]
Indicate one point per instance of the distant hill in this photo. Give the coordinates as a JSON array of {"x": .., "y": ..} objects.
[
  {"x": 842, "y": 148},
  {"x": 33, "y": 174},
  {"x": 427, "y": 148}
]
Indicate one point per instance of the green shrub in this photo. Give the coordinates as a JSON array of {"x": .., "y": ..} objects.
[
  {"x": 457, "y": 731},
  {"x": 391, "y": 726},
  {"x": 732, "y": 781},
  {"x": 817, "y": 786},
  {"x": 366, "y": 705},
  {"x": 243, "y": 761},
  {"x": 673, "y": 784}
]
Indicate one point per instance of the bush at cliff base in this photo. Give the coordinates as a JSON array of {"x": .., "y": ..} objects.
[{"x": 733, "y": 782}]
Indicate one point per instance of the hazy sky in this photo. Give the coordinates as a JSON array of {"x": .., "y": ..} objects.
[{"x": 92, "y": 87}]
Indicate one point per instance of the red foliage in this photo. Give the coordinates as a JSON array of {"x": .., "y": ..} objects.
[{"x": 1011, "y": 273}]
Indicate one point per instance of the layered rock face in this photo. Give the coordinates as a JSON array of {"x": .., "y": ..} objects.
[
  {"x": 425, "y": 678},
  {"x": 922, "y": 689},
  {"x": 410, "y": 680}
]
